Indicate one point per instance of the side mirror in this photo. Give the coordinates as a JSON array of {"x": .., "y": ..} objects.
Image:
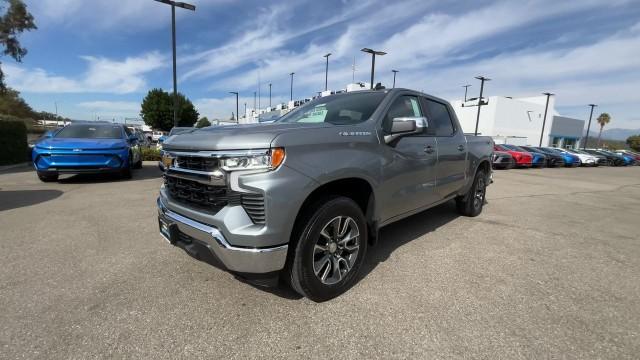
[
  {"x": 133, "y": 138},
  {"x": 402, "y": 126}
]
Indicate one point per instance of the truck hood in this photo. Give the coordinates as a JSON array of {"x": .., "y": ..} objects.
[
  {"x": 84, "y": 144},
  {"x": 234, "y": 137}
]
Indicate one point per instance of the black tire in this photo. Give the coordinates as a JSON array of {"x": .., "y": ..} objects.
[
  {"x": 138, "y": 165},
  {"x": 472, "y": 202},
  {"x": 47, "y": 177},
  {"x": 305, "y": 255}
]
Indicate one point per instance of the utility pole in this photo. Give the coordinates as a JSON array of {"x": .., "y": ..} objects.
[
  {"x": 373, "y": 60},
  {"x": 394, "y": 77},
  {"x": 584, "y": 147},
  {"x": 269, "y": 94},
  {"x": 544, "y": 119},
  {"x": 482, "y": 80},
  {"x": 291, "y": 97},
  {"x": 465, "y": 91},
  {"x": 326, "y": 71},
  {"x": 237, "y": 107},
  {"x": 254, "y": 101},
  {"x": 173, "y": 43}
]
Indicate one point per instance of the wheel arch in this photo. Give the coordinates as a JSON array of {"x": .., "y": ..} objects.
[{"x": 355, "y": 188}]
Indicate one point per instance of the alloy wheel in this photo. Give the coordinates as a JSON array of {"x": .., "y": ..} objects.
[
  {"x": 478, "y": 197},
  {"x": 336, "y": 249}
]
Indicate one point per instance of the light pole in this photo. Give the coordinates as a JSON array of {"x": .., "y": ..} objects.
[
  {"x": 465, "y": 91},
  {"x": 269, "y": 94},
  {"x": 584, "y": 147},
  {"x": 245, "y": 111},
  {"x": 544, "y": 119},
  {"x": 173, "y": 42},
  {"x": 254, "y": 101},
  {"x": 482, "y": 80},
  {"x": 373, "y": 60},
  {"x": 326, "y": 71},
  {"x": 291, "y": 98},
  {"x": 237, "y": 106},
  {"x": 394, "y": 77}
]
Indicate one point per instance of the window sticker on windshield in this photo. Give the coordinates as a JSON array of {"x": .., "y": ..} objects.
[
  {"x": 414, "y": 105},
  {"x": 315, "y": 115}
]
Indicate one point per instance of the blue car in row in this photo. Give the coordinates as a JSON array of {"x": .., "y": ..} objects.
[{"x": 87, "y": 148}]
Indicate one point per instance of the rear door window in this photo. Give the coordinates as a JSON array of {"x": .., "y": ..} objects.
[{"x": 440, "y": 122}]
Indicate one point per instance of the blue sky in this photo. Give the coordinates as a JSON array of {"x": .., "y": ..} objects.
[{"x": 95, "y": 59}]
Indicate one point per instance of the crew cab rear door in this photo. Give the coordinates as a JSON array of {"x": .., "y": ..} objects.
[{"x": 452, "y": 151}]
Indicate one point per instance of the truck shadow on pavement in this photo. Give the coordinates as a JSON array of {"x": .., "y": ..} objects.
[
  {"x": 21, "y": 198},
  {"x": 399, "y": 233},
  {"x": 391, "y": 237}
]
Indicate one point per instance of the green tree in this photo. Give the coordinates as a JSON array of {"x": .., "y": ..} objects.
[
  {"x": 157, "y": 110},
  {"x": 603, "y": 120},
  {"x": 14, "y": 20},
  {"x": 11, "y": 103},
  {"x": 203, "y": 122},
  {"x": 634, "y": 142}
]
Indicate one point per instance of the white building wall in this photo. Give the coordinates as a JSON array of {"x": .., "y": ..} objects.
[{"x": 513, "y": 121}]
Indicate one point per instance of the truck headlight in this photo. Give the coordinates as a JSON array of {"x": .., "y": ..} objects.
[{"x": 254, "y": 160}]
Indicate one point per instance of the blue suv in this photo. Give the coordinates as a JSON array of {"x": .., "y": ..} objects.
[{"x": 87, "y": 148}]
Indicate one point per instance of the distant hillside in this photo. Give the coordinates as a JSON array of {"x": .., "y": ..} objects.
[{"x": 616, "y": 134}]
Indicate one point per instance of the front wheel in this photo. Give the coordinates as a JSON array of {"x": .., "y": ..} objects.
[
  {"x": 472, "y": 202},
  {"x": 330, "y": 250}
]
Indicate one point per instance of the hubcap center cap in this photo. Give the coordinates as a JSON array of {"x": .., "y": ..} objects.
[{"x": 333, "y": 247}]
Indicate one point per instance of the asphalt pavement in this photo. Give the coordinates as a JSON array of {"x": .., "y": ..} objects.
[{"x": 550, "y": 269}]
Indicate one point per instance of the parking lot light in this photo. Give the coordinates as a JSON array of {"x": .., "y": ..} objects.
[
  {"x": 373, "y": 60},
  {"x": 173, "y": 43},
  {"x": 544, "y": 119},
  {"x": 584, "y": 147},
  {"x": 394, "y": 77},
  {"x": 482, "y": 80}
]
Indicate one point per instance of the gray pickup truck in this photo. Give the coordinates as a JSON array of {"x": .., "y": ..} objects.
[{"x": 301, "y": 199}]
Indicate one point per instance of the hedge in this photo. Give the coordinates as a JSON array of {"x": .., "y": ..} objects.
[
  {"x": 150, "y": 154},
  {"x": 13, "y": 141}
]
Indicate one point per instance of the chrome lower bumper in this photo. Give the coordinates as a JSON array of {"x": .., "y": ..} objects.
[{"x": 237, "y": 259}]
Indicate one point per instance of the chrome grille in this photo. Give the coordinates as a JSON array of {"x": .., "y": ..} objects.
[{"x": 197, "y": 163}]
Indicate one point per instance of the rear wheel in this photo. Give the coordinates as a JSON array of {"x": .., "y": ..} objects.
[
  {"x": 46, "y": 177},
  {"x": 471, "y": 204},
  {"x": 329, "y": 251}
]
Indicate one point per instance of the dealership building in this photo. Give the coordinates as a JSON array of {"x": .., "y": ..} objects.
[{"x": 519, "y": 121}]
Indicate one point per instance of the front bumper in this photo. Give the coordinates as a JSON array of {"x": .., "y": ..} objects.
[
  {"x": 86, "y": 161},
  {"x": 182, "y": 231}
]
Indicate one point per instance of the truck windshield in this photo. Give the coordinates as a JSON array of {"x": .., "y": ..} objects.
[
  {"x": 90, "y": 132},
  {"x": 343, "y": 109}
]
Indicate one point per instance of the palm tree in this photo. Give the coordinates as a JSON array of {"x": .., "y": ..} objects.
[{"x": 603, "y": 120}]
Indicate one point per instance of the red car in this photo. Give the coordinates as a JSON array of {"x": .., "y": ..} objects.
[{"x": 523, "y": 159}]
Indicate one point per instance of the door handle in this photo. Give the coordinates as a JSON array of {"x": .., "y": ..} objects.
[
  {"x": 429, "y": 149},
  {"x": 461, "y": 147}
]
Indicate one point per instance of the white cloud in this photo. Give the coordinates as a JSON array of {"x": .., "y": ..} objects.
[
  {"x": 109, "y": 14},
  {"x": 102, "y": 76},
  {"x": 111, "y": 106}
]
